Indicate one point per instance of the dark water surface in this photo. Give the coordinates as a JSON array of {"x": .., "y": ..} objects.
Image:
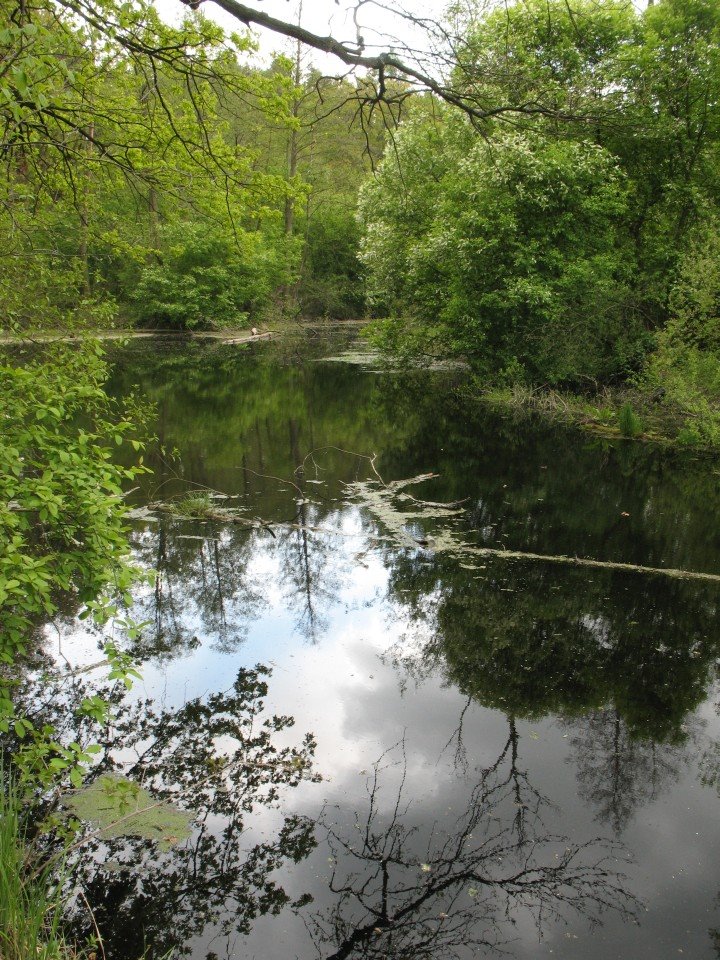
[{"x": 506, "y": 752}]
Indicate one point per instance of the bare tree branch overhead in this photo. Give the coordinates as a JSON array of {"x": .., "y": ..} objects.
[{"x": 438, "y": 64}]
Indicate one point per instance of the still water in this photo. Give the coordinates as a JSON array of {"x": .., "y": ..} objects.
[{"x": 393, "y": 747}]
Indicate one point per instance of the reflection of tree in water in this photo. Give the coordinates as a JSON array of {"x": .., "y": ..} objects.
[
  {"x": 624, "y": 661},
  {"x": 204, "y": 587},
  {"x": 404, "y": 888},
  {"x": 709, "y": 762},
  {"x": 516, "y": 785},
  {"x": 310, "y": 562},
  {"x": 218, "y": 757},
  {"x": 533, "y": 640},
  {"x": 401, "y": 886},
  {"x": 152, "y": 905},
  {"x": 709, "y": 770},
  {"x": 310, "y": 572},
  {"x": 618, "y": 773},
  {"x": 715, "y": 938},
  {"x": 201, "y": 582}
]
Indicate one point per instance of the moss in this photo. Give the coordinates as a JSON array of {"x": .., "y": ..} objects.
[{"x": 122, "y": 808}]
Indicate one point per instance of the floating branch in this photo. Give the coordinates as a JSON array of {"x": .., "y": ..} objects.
[
  {"x": 587, "y": 562},
  {"x": 382, "y": 501}
]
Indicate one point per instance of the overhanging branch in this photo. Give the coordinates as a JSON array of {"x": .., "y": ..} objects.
[
  {"x": 387, "y": 66},
  {"x": 353, "y": 57}
]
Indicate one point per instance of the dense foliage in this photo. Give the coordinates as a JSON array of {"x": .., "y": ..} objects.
[
  {"x": 157, "y": 175},
  {"x": 567, "y": 245},
  {"x": 147, "y": 166},
  {"x": 521, "y": 264}
]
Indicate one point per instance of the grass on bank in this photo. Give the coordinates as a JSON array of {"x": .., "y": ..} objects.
[
  {"x": 622, "y": 413},
  {"x": 30, "y": 899}
]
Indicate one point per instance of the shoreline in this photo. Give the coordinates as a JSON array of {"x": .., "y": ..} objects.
[
  {"x": 599, "y": 414},
  {"x": 234, "y": 335}
]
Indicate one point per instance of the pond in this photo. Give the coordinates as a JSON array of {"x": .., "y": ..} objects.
[{"x": 395, "y": 741}]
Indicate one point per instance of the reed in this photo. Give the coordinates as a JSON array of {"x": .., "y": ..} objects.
[{"x": 30, "y": 897}]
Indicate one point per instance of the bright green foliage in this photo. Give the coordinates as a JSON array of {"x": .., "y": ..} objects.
[
  {"x": 695, "y": 295},
  {"x": 61, "y": 521},
  {"x": 208, "y": 280},
  {"x": 114, "y": 147},
  {"x": 507, "y": 252},
  {"x": 551, "y": 253},
  {"x": 327, "y": 155},
  {"x": 146, "y": 167},
  {"x": 685, "y": 365},
  {"x": 559, "y": 56},
  {"x": 689, "y": 377}
]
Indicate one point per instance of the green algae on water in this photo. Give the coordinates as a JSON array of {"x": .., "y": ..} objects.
[{"x": 122, "y": 808}]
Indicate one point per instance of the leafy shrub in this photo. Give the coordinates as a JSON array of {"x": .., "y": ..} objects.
[
  {"x": 690, "y": 378},
  {"x": 686, "y": 361},
  {"x": 507, "y": 252},
  {"x": 208, "y": 280},
  {"x": 332, "y": 278},
  {"x": 695, "y": 296},
  {"x": 61, "y": 511}
]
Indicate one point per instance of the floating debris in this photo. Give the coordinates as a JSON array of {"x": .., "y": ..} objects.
[
  {"x": 382, "y": 501},
  {"x": 122, "y": 808}
]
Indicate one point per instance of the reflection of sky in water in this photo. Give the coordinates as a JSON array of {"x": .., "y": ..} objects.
[
  {"x": 342, "y": 686},
  {"x": 371, "y": 647}
]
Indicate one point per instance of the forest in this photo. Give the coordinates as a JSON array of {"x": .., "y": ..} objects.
[{"x": 533, "y": 197}]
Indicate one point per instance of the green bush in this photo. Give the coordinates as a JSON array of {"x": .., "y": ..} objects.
[
  {"x": 62, "y": 516},
  {"x": 208, "y": 280},
  {"x": 695, "y": 296},
  {"x": 686, "y": 361},
  {"x": 507, "y": 253},
  {"x": 690, "y": 379},
  {"x": 332, "y": 277}
]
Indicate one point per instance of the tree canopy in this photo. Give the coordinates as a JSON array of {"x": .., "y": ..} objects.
[{"x": 555, "y": 251}]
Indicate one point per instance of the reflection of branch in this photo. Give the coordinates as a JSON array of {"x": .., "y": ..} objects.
[
  {"x": 460, "y": 761},
  {"x": 522, "y": 794},
  {"x": 399, "y": 894},
  {"x": 371, "y": 458},
  {"x": 163, "y": 900}
]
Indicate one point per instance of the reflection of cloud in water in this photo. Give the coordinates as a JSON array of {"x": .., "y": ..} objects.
[
  {"x": 464, "y": 641},
  {"x": 404, "y": 886},
  {"x": 600, "y": 629},
  {"x": 212, "y": 581}
]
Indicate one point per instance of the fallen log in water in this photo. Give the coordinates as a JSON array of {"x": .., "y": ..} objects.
[
  {"x": 587, "y": 562},
  {"x": 382, "y": 499}
]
